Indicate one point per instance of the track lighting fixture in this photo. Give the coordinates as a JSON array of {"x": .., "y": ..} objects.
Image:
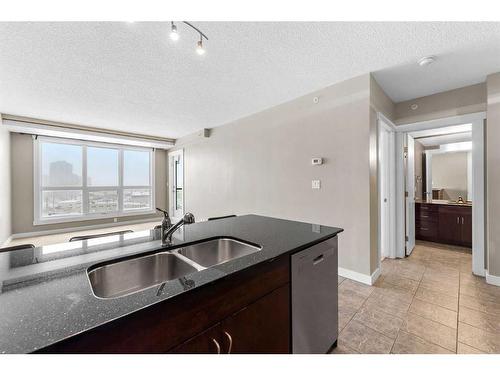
[
  {"x": 199, "y": 48},
  {"x": 174, "y": 35}
]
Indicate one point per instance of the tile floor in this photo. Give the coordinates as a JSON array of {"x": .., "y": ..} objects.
[{"x": 427, "y": 303}]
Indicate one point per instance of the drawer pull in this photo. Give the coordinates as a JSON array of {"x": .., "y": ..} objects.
[
  {"x": 230, "y": 342},
  {"x": 216, "y": 345}
]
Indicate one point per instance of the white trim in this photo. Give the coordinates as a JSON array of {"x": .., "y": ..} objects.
[
  {"x": 85, "y": 216},
  {"x": 172, "y": 184},
  {"x": 400, "y": 197},
  {"x": 493, "y": 280},
  {"x": 360, "y": 277},
  {"x": 84, "y": 135},
  {"x": 7, "y": 241},
  {"x": 441, "y": 122},
  {"x": 478, "y": 196},
  {"x": 386, "y": 124},
  {"x": 82, "y": 228}
]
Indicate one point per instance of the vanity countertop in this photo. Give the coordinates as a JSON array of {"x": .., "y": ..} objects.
[{"x": 443, "y": 202}]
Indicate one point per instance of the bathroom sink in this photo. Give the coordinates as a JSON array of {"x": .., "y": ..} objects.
[
  {"x": 128, "y": 276},
  {"x": 213, "y": 252}
]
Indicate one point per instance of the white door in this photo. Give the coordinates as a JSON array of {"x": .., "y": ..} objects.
[
  {"x": 387, "y": 188},
  {"x": 384, "y": 193},
  {"x": 410, "y": 194},
  {"x": 176, "y": 184}
]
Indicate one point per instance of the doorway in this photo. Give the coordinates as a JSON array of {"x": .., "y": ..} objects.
[{"x": 445, "y": 213}]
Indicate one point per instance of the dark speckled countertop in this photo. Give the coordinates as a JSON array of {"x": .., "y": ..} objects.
[{"x": 45, "y": 295}]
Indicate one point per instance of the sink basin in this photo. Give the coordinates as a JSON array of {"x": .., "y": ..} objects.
[
  {"x": 212, "y": 252},
  {"x": 129, "y": 276}
]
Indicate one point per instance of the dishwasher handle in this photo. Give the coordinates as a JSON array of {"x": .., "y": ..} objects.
[{"x": 318, "y": 259}]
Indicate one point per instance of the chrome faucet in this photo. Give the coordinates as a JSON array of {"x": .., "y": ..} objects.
[
  {"x": 166, "y": 223},
  {"x": 166, "y": 236}
]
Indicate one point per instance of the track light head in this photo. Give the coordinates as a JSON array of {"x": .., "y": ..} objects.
[
  {"x": 199, "y": 47},
  {"x": 174, "y": 35}
]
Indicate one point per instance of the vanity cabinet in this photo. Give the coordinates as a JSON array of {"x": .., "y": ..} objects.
[{"x": 442, "y": 223}]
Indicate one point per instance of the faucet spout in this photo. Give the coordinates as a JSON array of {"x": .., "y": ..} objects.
[{"x": 166, "y": 238}]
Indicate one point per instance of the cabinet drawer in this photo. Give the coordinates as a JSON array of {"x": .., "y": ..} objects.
[
  {"x": 426, "y": 230},
  {"x": 431, "y": 217},
  {"x": 426, "y": 207}
]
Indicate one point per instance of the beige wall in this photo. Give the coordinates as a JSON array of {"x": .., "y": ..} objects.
[
  {"x": 5, "y": 192},
  {"x": 449, "y": 172},
  {"x": 22, "y": 189},
  {"x": 419, "y": 173},
  {"x": 262, "y": 164},
  {"x": 493, "y": 174},
  {"x": 456, "y": 102}
]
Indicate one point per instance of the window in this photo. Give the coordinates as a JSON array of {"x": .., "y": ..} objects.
[{"x": 76, "y": 180}]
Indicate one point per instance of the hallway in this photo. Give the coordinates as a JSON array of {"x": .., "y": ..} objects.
[{"x": 427, "y": 303}]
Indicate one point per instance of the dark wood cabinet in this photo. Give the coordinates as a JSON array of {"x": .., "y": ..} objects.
[
  {"x": 253, "y": 306},
  {"x": 262, "y": 327},
  {"x": 207, "y": 342},
  {"x": 443, "y": 223},
  {"x": 467, "y": 229}
]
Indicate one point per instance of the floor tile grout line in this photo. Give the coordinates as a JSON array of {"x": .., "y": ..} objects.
[
  {"x": 420, "y": 282},
  {"x": 435, "y": 304}
]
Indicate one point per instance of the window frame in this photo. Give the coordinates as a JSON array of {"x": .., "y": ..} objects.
[{"x": 38, "y": 189}]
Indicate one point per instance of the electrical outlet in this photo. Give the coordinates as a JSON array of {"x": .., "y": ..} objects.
[{"x": 316, "y": 184}]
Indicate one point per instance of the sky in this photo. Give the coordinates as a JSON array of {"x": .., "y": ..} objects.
[{"x": 102, "y": 163}]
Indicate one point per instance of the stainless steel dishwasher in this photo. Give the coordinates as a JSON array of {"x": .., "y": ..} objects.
[{"x": 315, "y": 298}]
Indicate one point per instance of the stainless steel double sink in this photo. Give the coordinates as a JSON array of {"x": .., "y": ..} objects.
[{"x": 125, "y": 277}]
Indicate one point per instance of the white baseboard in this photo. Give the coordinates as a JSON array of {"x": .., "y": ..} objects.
[
  {"x": 360, "y": 277},
  {"x": 493, "y": 280},
  {"x": 7, "y": 241},
  {"x": 77, "y": 229},
  {"x": 481, "y": 273}
]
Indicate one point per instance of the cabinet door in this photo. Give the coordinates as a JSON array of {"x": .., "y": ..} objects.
[
  {"x": 262, "y": 327},
  {"x": 450, "y": 228},
  {"x": 207, "y": 342},
  {"x": 467, "y": 230}
]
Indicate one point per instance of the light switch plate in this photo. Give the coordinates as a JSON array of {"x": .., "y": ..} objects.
[{"x": 316, "y": 184}]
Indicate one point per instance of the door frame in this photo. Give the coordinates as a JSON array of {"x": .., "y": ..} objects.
[
  {"x": 172, "y": 185},
  {"x": 384, "y": 124},
  {"x": 478, "y": 173}
]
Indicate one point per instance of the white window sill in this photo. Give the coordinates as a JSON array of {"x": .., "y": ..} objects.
[{"x": 69, "y": 219}]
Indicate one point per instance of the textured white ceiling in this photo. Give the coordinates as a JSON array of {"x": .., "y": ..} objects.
[{"x": 130, "y": 76}]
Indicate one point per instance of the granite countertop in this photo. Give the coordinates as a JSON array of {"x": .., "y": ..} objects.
[
  {"x": 444, "y": 202},
  {"x": 45, "y": 294}
]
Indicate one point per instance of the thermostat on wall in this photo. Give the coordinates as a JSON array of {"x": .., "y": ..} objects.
[{"x": 317, "y": 161}]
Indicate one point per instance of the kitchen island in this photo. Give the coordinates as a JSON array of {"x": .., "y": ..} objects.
[{"x": 48, "y": 304}]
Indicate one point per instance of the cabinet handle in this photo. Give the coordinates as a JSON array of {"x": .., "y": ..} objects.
[
  {"x": 462, "y": 220},
  {"x": 230, "y": 342},
  {"x": 458, "y": 220},
  {"x": 216, "y": 345},
  {"x": 424, "y": 216}
]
